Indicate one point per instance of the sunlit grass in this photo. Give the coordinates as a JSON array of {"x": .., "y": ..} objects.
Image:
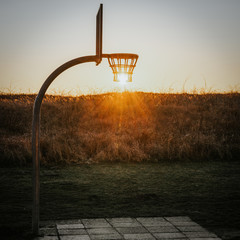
[{"x": 126, "y": 127}]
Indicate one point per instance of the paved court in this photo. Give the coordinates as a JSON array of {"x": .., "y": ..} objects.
[{"x": 148, "y": 228}]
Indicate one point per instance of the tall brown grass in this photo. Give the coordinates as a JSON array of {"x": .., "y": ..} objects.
[{"x": 122, "y": 127}]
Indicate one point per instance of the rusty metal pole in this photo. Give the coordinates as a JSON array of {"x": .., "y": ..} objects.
[{"x": 36, "y": 134}]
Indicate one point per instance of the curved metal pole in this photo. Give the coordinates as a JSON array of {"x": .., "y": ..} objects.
[{"x": 36, "y": 133}]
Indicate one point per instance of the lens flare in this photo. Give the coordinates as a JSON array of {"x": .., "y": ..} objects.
[{"x": 122, "y": 78}]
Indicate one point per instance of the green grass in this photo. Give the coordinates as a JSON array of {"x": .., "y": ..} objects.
[{"x": 208, "y": 192}]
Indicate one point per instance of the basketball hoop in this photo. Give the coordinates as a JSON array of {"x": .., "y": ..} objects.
[{"x": 122, "y": 65}]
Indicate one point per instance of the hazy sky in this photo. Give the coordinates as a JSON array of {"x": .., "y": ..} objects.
[{"x": 181, "y": 44}]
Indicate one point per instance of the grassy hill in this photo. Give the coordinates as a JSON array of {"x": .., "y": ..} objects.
[{"x": 125, "y": 127}]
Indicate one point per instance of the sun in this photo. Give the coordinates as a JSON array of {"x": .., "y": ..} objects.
[{"x": 122, "y": 78}]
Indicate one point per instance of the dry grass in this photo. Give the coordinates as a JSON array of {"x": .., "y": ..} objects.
[{"x": 122, "y": 127}]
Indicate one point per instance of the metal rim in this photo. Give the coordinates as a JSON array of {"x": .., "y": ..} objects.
[{"x": 121, "y": 55}]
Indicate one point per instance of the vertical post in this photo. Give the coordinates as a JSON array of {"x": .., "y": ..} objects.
[
  {"x": 36, "y": 166},
  {"x": 36, "y": 135}
]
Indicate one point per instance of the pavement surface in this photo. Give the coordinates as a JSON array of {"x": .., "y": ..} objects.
[{"x": 149, "y": 228}]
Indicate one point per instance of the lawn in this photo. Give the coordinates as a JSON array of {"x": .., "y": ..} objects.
[{"x": 207, "y": 192}]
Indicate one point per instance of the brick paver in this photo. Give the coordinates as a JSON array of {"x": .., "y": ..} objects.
[{"x": 149, "y": 228}]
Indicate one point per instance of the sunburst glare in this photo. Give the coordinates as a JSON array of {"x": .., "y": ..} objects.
[{"x": 122, "y": 78}]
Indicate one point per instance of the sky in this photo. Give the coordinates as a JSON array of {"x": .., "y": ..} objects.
[{"x": 183, "y": 45}]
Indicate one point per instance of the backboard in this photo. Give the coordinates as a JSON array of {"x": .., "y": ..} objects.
[{"x": 99, "y": 28}]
